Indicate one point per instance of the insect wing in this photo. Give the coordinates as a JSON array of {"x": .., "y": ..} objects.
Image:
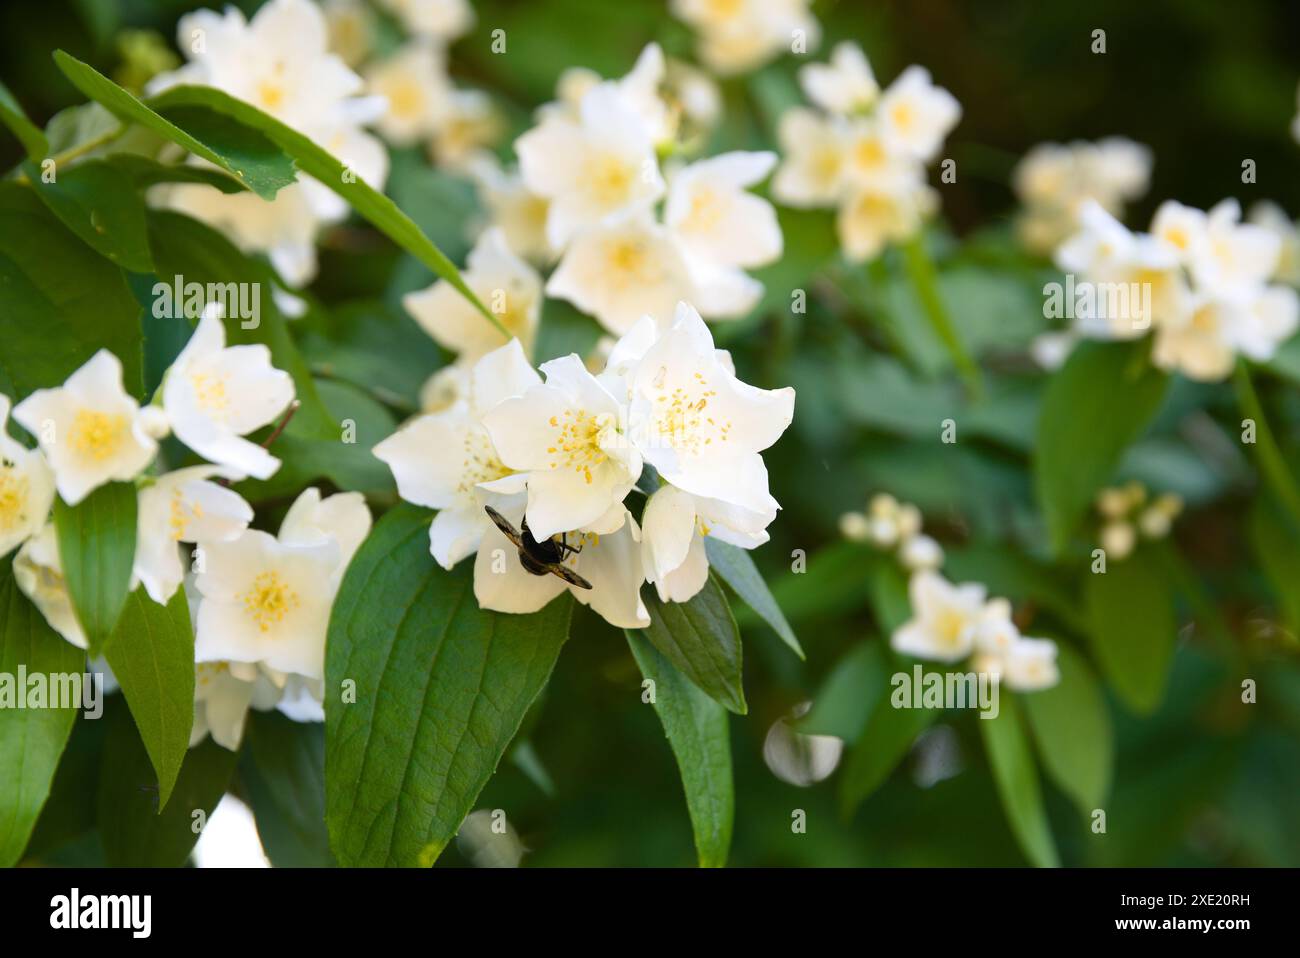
[
  {"x": 506, "y": 528},
  {"x": 569, "y": 576}
]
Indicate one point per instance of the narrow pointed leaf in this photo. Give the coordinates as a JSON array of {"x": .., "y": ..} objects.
[
  {"x": 1130, "y": 610},
  {"x": 1016, "y": 777},
  {"x": 735, "y": 567},
  {"x": 97, "y": 549},
  {"x": 700, "y": 638},
  {"x": 697, "y": 732},
  {"x": 28, "y": 133}
]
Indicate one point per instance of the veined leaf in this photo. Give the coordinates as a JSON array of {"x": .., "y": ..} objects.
[
  {"x": 735, "y": 567},
  {"x": 1131, "y": 614},
  {"x": 152, "y": 654},
  {"x": 697, "y": 731},
  {"x": 31, "y": 739},
  {"x": 1094, "y": 406},
  {"x": 1072, "y": 728},
  {"x": 282, "y": 766},
  {"x": 28, "y": 133},
  {"x": 1016, "y": 776},
  {"x": 244, "y": 152},
  {"x": 101, "y": 204},
  {"x": 97, "y": 549},
  {"x": 191, "y": 104},
  {"x": 62, "y": 301},
  {"x": 701, "y": 639},
  {"x": 135, "y": 832},
  {"x": 441, "y": 687}
]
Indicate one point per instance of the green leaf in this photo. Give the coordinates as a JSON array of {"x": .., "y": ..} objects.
[
  {"x": 844, "y": 702},
  {"x": 188, "y": 105},
  {"x": 28, "y": 133},
  {"x": 888, "y": 736},
  {"x": 1278, "y": 553},
  {"x": 282, "y": 766},
  {"x": 101, "y": 204},
  {"x": 1016, "y": 777},
  {"x": 97, "y": 549},
  {"x": 152, "y": 654},
  {"x": 62, "y": 301},
  {"x": 441, "y": 688},
  {"x": 697, "y": 731},
  {"x": 701, "y": 639},
  {"x": 1130, "y": 609},
  {"x": 134, "y": 831},
  {"x": 735, "y": 567},
  {"x": 31, "y": 739},
  {"x": 1073, "y": 732},
  {"x": 1094, "y": 406},
  {"x": 244, "y": 152}
]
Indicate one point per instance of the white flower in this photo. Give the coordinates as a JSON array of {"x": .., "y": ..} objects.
[
  {"x": 438, "y": 460},
  {"x": 1118, "y": 539},
  {"x": 698, "y": 425},
  {"x": 183, "y": 506},
  {"x": 621, "y": 272},
  {"x": 945, "y": 619},
  {"x": 519, "y": 213},
  {"x": 468, "y": 123},
  {"x": 414, "y": 81},
  {"x": 921, "y": 552},
  {"x": 1237, "y": 258},
  {"x": 916, "y": 115},
  {"x": 845, "y": 85},
  {"x": 267, "y": 600},
  {"x": 504, "y": 283},
  {"x": 875, "y": 216},
  {"x": 90, "y": 430},
  {"x": 1274, "y": 219},
  {"x": 26, "y": 488},
  {"x": 591, "y": 168},
  {"x": 214, "y": 394},
  {"x": 816, "y": 159},
  {"x": 444, "y": 387},
  {"x": 351, "y": 29},
  {"x": 1200, "y": 343},
  {"x": 1028, "y": 665},
  {"x": 223, "y": 694},
  {"x": 610, "y": 561},
  {"x": 723, "y": 229},
  {"x": 38, "y": 573},
  {"x": 740, "y": 35},
  {"x": 567, "y": 435},
  {"x": 672, "y": 538},
  {"x": 441, "y": 19}
]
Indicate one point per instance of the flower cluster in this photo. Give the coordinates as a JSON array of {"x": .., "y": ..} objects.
[
  {"x": 864, "y": 151},
  {"x": 557, "y": 458},
  {"x": 740, "y": 35},
  {"x": 1125, "y": 512},
  {"x": 260, "y": 604},
  {"x": 1054, "y": 180},
  {"x": 1200, "y": 280},
  {"x": 632, "y": 238},
  {"x": 950, "y": 622},
  {"x": 889, "y": 524},
  {"x": 280, "y": 62}
]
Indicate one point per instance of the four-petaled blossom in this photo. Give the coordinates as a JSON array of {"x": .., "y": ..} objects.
[
  {"x": 267, "y": 599},
  {"x": 215, "y": 394},
  {"x": 845, "y": 85},
  {"x": 568, "y": 436},
  {"x": 945, "y": 618},
  {"x": 90, "y": 429},
  {"x": 26, "y": 488},
  {"x": 440, "y": 459},
  {"x": 504, "y": 283}
]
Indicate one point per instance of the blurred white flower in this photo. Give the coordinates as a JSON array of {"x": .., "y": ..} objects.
[
  {"x": 38, "y": 573},
  {"x": 945, "y": 619},
  {"x": 915, "y": 115},
  {"x": 519, "y": 213},
  {"x": 816, "y": 151},
  {"x": 415, "y": 84},
  {"x": 443, "y": 20},
  {"x": 504, "y": 283},
  {"x": 740, "y": 35},
  {"x": 215, "y": 394},
  {"x": 26, "y": 488},
  {"x": 90, "y": 430},
  {"x": 844, "y": 85}
]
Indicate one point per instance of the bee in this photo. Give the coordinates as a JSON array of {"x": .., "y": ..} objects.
[{"x": 539, "y": 558}]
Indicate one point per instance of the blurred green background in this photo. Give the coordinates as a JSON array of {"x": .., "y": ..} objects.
[{"x": 1205, "y": 85}]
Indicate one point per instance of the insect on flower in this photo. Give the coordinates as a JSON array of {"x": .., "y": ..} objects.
[{"x": 539, "y": 558}]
